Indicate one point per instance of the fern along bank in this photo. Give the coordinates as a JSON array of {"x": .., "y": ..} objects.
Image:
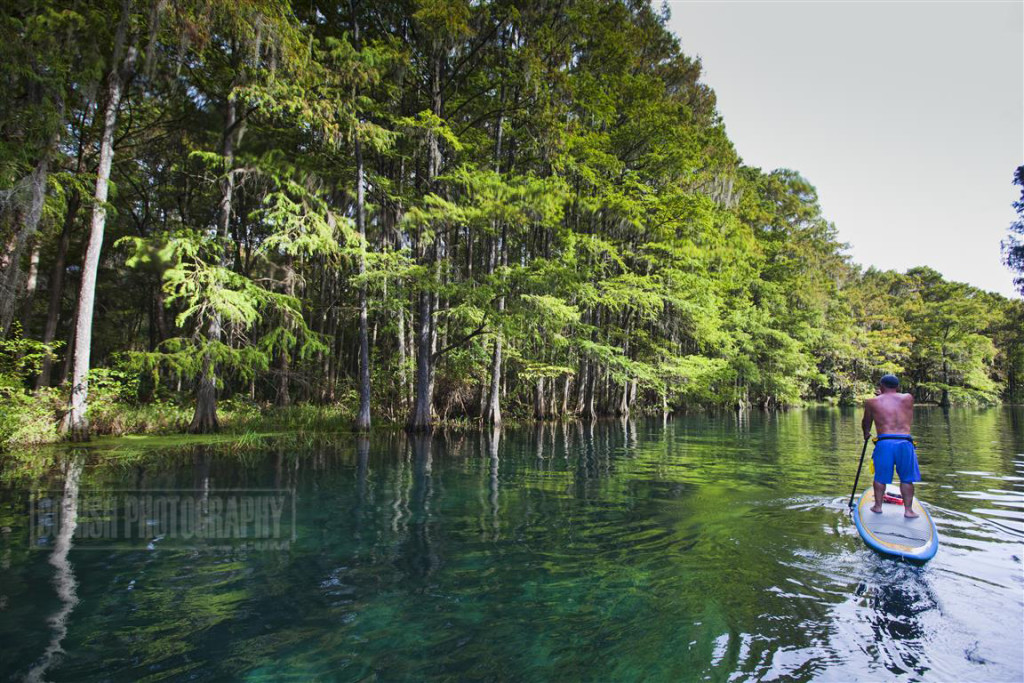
[{"x": 421, "y": 211}]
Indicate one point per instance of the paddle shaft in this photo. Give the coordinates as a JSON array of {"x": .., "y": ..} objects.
[{"x": 859, "y": 465}]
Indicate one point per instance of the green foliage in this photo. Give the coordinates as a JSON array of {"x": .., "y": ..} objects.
[
  {"x": 302, "y": 225},
  {"x": 25, "y": 419},
  {"x": 20, "y": 358},
  {"x": 551, "y": 177}
]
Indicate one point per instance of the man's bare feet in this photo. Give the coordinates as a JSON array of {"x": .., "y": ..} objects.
[
  {"x": 910, "y": 514},
  {"x": 876, "y": 508}
]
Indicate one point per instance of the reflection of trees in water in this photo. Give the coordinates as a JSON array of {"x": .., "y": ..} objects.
[
  {"x": 551, "y": 446},
  {"x": 493, "y": 444},
  {"x": 200, "y": 479},
  {"x": 418, "y": 556},
  {"x": 950, "y": 447},
  {"x": 742, "y": 418},
  {"x": 975, "y": 439},
  {"x": 566, "y": 443},
  {"x": 629, "y": 429},
  {"x": 488, "y": 484},
  {"x": 1016, "y": 431},
  {"x": 64, "y": 580},
  {"x": 586, "y": 463},
  {"x": 400, "y": 492},
  {"x": 362, "y": 484},
  {"x": 600, "y": 444}
]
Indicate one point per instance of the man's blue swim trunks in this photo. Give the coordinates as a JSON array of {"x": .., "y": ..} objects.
[{"x": 895, "y": 450}]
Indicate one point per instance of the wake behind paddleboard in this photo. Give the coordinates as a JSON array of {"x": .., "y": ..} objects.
[{"x": 890, "y": 532}]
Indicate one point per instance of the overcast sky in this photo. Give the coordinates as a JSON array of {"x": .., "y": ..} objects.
[{"x": 908, "y": 117}]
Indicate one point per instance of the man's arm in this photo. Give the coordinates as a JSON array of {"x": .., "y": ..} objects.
[
  {"x": 908, "y": 408},
  {"x": 865, "y": 423}
]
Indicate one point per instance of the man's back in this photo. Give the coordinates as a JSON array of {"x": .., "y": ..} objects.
[{"x": 893, "y": 413}]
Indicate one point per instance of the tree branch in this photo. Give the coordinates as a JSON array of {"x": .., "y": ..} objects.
[{"x": 475, "y": 333}]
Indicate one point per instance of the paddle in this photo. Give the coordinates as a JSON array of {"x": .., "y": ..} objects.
[{"x": 859, "y": 465}]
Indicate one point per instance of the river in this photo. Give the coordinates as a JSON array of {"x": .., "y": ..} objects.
[{"x": 712, "y": 548}]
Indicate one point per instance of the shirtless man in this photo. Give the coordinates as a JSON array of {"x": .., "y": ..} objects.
[{"x": 892, "y": 413}]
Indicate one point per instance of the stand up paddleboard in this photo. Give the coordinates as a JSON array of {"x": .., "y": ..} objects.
[{"x": 890, "y": 532}]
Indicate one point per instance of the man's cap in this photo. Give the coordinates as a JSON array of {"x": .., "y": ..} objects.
[{"x": 890, "y": 381}]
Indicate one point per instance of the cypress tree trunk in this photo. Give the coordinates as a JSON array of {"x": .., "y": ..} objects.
[
  {"x": 69, "y": 357},
  {"x": 10, "y": 262},
  {"x": 284, "y": 361},
  {"x": 538, "y": 399},
  {"x": 56, "y": 286},
  {"x": 30, "y": 288},
  {"x": 589, "y": 409},
  {"x": 493, "y": 412},
  {"x": 581, "y": 386},
  {"x": 589, "y": 391},
  {"x": 565, "y": 396},
  {"x": 204, "y": 420},
  {"x": 623, "y": 407},
  {"x": 363, "y": 417},
  {"x": 426, "y": 332},
  {"x": 157, "y": 324},
  {"x": 944, "y": 401},
  {"x": 9, "y": 281},
  {"x": 551, "y": 401},
  {"x": 499, "y": 254},
  {"x": 283, "y": 396},
  {"x": 423, "y": 399},
  {"x": 582, "y": 375},
  {"x": 332, "y": 359},
  {"x": 75, "y": 423},
  {"x": 410, "y": 354},
  {"x": 403, "y": 361},
  {"x": 405, "y": 345}
]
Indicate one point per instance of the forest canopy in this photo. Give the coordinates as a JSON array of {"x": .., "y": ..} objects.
[{"x": 418, "y": 211}]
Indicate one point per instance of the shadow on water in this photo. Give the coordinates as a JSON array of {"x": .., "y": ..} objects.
[
  {"x": 889, "y": 616},
  {"x": 897, "y": 593}
]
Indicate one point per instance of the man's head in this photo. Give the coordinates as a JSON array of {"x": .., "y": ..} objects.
[{"x": 889, "y": 383}]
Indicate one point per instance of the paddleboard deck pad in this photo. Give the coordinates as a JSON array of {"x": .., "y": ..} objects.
[{"x": 890, "y": 532}]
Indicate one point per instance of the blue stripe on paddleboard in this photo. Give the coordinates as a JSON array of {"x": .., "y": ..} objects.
[{"x": 919, "y": 552}]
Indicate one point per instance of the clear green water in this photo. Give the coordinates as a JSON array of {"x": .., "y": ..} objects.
[{"x": 710, "y": 548}]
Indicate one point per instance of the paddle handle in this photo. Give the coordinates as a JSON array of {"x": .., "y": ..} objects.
[{"x": 859, "y": 465}]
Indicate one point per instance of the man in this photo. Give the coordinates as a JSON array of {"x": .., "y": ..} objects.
[{"x": 892, "y": 413}]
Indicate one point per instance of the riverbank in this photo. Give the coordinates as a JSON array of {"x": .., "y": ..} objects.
[{"x": 35, "y": 421}]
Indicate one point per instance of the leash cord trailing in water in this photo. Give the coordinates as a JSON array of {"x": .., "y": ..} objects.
[{"x": 859, "y": 465}]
